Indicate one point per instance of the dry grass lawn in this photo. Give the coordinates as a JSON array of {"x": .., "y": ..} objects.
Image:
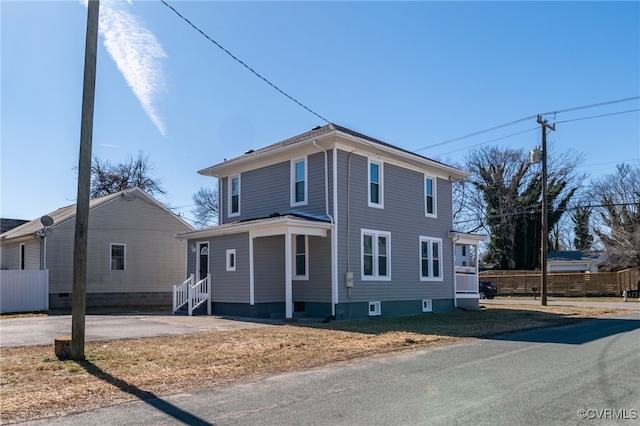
[{"x": 34, "y": 384}]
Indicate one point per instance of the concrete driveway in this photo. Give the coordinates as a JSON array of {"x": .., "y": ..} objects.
[
  {"x": 633, "y": 305},
  {"x": 41, "y": 330}
]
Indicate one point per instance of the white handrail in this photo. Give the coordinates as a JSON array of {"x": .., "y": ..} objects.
[
  {"x": 199, "y": 293},
  {"x": 181, "y": 293}
]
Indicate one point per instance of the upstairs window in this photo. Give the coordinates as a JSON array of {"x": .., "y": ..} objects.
[
  {"x": 299, "y": 182},
  {"x": 375, "y": 184},
  {"x": 234, "y": 195},
  {"x": 118, "y": 252},
  {"x": 430, "y": 259},
  {"x": 430, "y": 196},
  {"x": 375, "y": 255}
]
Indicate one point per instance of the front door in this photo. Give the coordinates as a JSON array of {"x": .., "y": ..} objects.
[{"x": 203, "y": 260}]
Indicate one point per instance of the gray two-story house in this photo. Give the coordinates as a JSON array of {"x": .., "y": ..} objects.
[{"x": 332, "y": 223}]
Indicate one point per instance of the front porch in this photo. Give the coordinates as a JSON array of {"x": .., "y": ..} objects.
[{"x": 465, "y": 260}]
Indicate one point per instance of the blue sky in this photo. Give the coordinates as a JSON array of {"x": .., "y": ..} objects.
[{"x": 413, "y": 74}]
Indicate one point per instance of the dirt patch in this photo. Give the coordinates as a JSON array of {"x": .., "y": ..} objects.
[{"x": 34, "y": 384}]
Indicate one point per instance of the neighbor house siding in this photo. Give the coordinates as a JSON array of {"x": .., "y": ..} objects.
[
  {"x": 11, "y": 254},
  {"x": 403, "y": 217},
  {"x": 268, "y": 255},
  {"x": 154, "y": 259}
]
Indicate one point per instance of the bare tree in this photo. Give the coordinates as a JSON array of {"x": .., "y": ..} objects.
[
  {"x": 507, "y": 202},
  {"x": 206, "y": 210},
  {"x": 619, "y": 214},
  {"x": 108, "y": 177}
]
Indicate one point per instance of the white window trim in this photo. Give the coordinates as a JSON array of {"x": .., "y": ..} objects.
[
  {"x": 304, "y": 277},
  {"x": 231, "y": 253},
  {"x": 435, "y": 198},
  {"x": 375, "y": 276},
  {"x": 293, "y": 182},
  {"x": 380, "y": 164},
  {"x": 230, "y": 195},
  {"x": 377, "y": 310},
  {"x": 427, "y": 305},
  {"x": 111, "y": 256},
  {"x": 430, "y": 240}
]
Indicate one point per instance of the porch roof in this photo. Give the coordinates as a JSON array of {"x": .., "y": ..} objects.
[{"x": 272, "y": 225}]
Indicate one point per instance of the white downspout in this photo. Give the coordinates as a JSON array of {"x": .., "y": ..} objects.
[{"x": 334, "y": 240}]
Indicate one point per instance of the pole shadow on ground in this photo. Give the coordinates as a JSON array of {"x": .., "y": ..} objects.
[{"x": 145, "y": 396}]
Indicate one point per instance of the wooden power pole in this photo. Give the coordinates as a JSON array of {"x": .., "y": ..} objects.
[
  {"x": 544, "y": 219},
  {"x": 79, "y": 302}
]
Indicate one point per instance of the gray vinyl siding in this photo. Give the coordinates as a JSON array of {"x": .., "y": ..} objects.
[
  {"x": 154, "y": 258},
  {"x": 404, "y": 218},
  {"x": 318, "y": 287},
  {"x": 267, "y": 190},
  {"x": 268, "y": 255},
  {"x": 230, "y": 286}
]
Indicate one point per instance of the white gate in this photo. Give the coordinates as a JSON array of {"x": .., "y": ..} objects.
[{"x": 24, "y": 291}]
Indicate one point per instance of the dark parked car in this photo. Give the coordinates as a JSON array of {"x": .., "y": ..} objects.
[{"x": 488, "y": 290}]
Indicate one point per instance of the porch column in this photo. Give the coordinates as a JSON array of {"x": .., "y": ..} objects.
[{"x": 288, "y": 292}]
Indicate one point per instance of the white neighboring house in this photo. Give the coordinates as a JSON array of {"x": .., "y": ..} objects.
[
  {"x": 574, "y": 261},
  {"x": 133, "y": 257}
]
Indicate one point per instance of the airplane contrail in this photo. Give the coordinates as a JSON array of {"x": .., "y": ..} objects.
[{"x": 137, "y": 54}]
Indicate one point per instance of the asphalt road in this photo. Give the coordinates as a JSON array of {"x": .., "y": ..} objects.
[{"x": 585, "y": 373}]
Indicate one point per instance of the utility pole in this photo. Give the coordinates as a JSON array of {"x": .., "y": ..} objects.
[
  {"x": 544, "y": 220},
  {"x": 79, "y": 302}
]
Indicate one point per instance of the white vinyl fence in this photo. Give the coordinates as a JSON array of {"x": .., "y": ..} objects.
[{"x": 24, "y": 291}]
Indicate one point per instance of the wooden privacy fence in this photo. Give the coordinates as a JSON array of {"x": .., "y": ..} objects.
[
  {"x": 515, "y": 283},
  {"x": 24, "y": 291}
]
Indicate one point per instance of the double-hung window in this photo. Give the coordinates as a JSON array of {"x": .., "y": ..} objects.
[
  {"x": 234, "y": 195},
  {"x": 376, "y": 189},
  {"x": 430, "y": 196},
  {"x": 376, "y": 250},
  {"x": 430, "y": 259},
  {"x": 299, "y": 182},
  {"x": 301, "y": 258},
  {"x": 118, "y": 257}
]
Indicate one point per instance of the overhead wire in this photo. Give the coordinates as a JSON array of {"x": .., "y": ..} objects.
[
  {"x": 530, "y": 117},
  {"x": 243, "y": 63}
]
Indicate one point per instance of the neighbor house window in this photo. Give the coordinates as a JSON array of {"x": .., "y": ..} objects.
[
  {"x": 375, "y": 255},
  {"x": 299, "y": 182},
  {"x": 301, "y": 259},
  {"x": 234, "y": 195},
  {"x": 430, "y": 196},
  {"x": 22, "y": 256},
  {"x": 118, "y": 252},
  {"x": 375, "y": 184},
  {"x": 231, "y": 259},
  {"x": 430, "y": 259}
]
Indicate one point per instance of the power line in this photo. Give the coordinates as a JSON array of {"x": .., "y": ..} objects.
[
  {"x": 243, "y": 64},
  {"x": 530, "y": 117},
  {"x": 492, "y": 140},
  {"x": 616, "y": 101},
  {"x": 597, "y": 116}
]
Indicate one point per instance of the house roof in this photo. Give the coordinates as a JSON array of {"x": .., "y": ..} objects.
[
  {"x": 65, "y": 213},
  {"x": 9, "y": 224},
  {"x": 573, "y": 256},
  {"x": 330, "y": 129},
  {"x": 272, "y": 221}
]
